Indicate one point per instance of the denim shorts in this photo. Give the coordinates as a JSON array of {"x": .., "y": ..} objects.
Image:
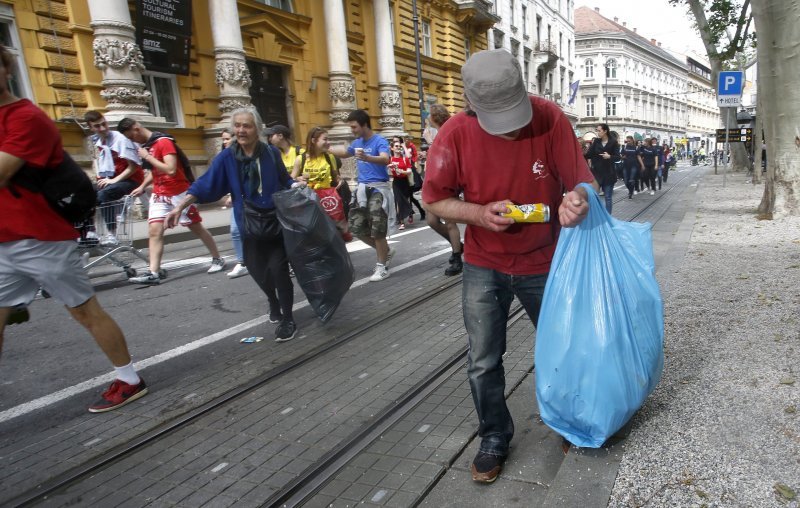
[{"x": 371, "y": 220}]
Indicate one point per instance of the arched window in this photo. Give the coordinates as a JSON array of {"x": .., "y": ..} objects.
[
  {"x": 611, "y": 69},
  {"x": 589, "y": 65}
]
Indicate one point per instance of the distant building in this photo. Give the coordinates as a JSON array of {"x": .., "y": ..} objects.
[
  {"x": 629, "y": 82},
  {"x": 541, "y": 34},
  {"x": 701, "y": 103}
]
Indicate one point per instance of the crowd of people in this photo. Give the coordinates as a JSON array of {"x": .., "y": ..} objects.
[{"x": 642, "y": 165}]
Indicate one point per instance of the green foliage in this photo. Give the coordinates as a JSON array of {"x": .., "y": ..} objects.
[{"x": 721, "y": 16}]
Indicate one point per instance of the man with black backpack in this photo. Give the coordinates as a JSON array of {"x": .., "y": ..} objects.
[
  {"x": 37, "y": 242},
  {"x": 171, "y": 175}
]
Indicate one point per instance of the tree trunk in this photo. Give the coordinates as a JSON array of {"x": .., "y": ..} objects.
[{"x": 778, "y": 26}]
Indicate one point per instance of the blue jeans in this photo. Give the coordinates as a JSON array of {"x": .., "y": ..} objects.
[
  {"x": 110, "y": 193},
  {"x": 236, "y": 238},
  {"x": 608, "y": 190},
  {"x": 487, "y": 297}
]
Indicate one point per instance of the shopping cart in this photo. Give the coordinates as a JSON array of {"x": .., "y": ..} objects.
[{"x": 110, "y": 237}]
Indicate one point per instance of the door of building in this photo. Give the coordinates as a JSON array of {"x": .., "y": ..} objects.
[{"x": 268, "y": 92}]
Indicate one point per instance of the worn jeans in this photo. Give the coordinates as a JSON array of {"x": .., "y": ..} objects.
[
  {"x": 487, "y": 297},
  {"x": 630, "y": 174},
  {"x": 608, "y": 191},
  {"x": 236, "y": 239},
  {"x": 110, "y": 193}
]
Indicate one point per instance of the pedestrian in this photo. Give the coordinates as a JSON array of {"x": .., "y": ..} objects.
[
  {"x": 648, "y": 160},
  {"x": 400, "y": 169},
  {"x": 37, "y": 245},
  {"x": 669, "y": 160},
  {"x": 630, "y": 165},
  {"x": 602, "y": 155},
  {"x": 281, "y": 137},
  {"x": 446, "y": 229},
  {"x": 531, "y": 149},
  {"x": 251, "y": 171},
  {"x": 320, "y": 171},
  {"x": 370, "y": 221},
  {"x": 119, "y": 170},
  {"x": 168, "y": 173},
  {"x": 240, "y": 268}
]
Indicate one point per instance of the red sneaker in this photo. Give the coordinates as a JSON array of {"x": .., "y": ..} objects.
[{"x": 117, "y": 395}]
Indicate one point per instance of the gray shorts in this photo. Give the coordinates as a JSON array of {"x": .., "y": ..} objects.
[{"x": 27, "y": 265}]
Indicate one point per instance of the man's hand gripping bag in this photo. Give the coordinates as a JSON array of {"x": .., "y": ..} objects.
[{"x": 599, "y": 341}]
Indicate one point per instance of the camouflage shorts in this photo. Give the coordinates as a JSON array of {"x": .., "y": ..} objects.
[{"x": 370, "y": 221}]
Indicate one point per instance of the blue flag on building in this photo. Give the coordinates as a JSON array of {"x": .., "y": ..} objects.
[{"x": 573, "y": 91}]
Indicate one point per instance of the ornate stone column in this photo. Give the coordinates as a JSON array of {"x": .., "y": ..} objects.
[
  {"x": 390, "y": 100},
  {"x": 342, "y": 85},
  {"x": 120, "y": 59},
  {"x": 232, "y": 74}
]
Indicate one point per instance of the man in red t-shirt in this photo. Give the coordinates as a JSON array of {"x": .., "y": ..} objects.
[
  {"x": 168, "y": 176},
  {"x": 37, "y": 245},
  {"x": 508, "y": 148}
]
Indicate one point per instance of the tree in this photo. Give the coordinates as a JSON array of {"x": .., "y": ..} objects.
[
  {"x": 713, "y": 20},
  {"x": 778, "y": 98},
  {"x": 778, "y": 22}
]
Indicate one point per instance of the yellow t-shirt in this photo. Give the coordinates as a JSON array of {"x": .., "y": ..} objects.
[
  {"x": 319, "y": 171},
  {"x": 290, "y": 156}
]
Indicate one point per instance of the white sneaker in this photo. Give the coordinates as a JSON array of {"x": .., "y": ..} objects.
[
  {"x": 109, "y": 239},
  {"x": 380, "y": 273},
  {"x": 217, "y": 264},
  {"x": 652, "y": 193},
  {"x": 238, "y": 271},
  {"x": 390, "y": 255}
]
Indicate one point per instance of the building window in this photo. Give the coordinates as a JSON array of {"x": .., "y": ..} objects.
[
  {"x": 611, "y": 69},
  {"x": 285, "y": 5},
  {"x": 17, "y": 78},
  {"x": 611, "y": 106},
  {"x": 515, "y": 48},
  {"x": 590, "y": 106},
  {"x": 499, "y": 39},
  {"x": 569, "y": 51},
  {"x": 165, "y": 99},
  {"x": 467, "y": 47},
  {"x": 425, "y": 36},
  {"x": 524, "y": 20},
  {"x": 589, "y": 68},
  {"x": 513, "y": 8}
]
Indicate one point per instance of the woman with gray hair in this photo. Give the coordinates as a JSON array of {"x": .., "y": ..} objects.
[{"x": 251, "y": 171}]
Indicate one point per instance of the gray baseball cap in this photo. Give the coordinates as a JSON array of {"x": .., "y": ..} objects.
[{"x": 496, "y": 92}]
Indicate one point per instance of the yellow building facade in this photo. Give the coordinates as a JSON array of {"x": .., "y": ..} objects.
[{"x": 301, "y": 63}]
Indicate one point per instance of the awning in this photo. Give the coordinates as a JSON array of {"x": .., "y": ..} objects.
[{"x": 637, "y": 137}]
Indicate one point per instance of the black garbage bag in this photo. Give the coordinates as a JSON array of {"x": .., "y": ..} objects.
[{"x": 315, "y": 249}]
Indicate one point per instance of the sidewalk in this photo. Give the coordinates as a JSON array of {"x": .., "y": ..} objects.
[{"x": 722, "y": 428}]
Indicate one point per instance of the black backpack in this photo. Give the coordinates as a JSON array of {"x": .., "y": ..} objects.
[
  {"x": 66, "y": 187},
  {"x": 181, "y": 155}
]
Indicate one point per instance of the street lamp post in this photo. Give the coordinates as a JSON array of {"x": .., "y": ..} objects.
[{"x": 420, "y": 91}]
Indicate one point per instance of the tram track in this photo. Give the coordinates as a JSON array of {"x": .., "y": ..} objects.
[{"x": 150, "y": 437}]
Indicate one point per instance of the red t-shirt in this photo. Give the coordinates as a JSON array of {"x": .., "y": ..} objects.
[
  {"x": 27, "y": 133},
  {"x": 538, "y": 167},
  {"x": 402, "y": 164},
  {"x": 163, "y": 184}
]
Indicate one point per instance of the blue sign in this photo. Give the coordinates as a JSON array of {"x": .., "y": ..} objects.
[{"x": 729, "y": 88}]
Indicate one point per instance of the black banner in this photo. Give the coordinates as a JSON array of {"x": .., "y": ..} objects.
[
  {"x": 164, "y": 32},
  {"x": 735, "y": 135}
]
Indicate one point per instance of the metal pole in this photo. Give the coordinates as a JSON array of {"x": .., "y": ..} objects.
[
  {"x": 420, "y": 91},
  {"x": 725, "y": 150}
]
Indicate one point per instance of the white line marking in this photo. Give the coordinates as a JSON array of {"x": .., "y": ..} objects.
[
  {"x": 89, "y": 384},
  {"x": 219, "y": 467}
]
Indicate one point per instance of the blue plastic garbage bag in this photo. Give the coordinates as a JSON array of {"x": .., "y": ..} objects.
[
  {"x": 599, "y": 341},
  {"x": 315, "y": 249}
]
